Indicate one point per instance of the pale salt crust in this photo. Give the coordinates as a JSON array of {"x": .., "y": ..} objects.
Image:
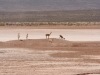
[
  {"x": 69, "y": 34},
  {"x": 91, "y": 56},
  {"x": 15, "y": 53},
  {"x": 21, "y": 54},
  {"x": 40, "y": 61}
]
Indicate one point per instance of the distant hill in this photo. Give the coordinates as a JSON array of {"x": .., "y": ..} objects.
[
  {"x": 49, "y": 10},
  {"x": 51, "y": 16},
  {"x": 48, "y": 5}
]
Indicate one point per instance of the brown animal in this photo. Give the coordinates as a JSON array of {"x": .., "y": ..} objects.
[
  {"x": 47, "y": 35},
  {"x": 50, "y": 40},
  {"x": 60, "y": 36}
]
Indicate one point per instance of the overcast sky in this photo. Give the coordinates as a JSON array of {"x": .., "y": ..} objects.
[{"x": 48, "y": 5}]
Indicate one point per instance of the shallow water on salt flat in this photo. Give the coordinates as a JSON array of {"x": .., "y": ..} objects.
[{"x": 69, "y": 34}]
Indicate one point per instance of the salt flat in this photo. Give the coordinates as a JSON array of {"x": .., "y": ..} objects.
[
  {"x": 20, "y": 61},
  {"x": 69, "y": 34},
  {"x": 67, "y": 61}
]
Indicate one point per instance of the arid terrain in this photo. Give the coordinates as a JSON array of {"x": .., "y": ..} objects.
[
  {"x": 49, "y": 37},
  {"x": 78, "y": 54}
]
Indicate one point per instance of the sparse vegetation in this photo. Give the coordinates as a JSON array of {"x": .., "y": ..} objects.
[
  {"x": 66, "y": 18},
  {"x": 49, "y": 23}
]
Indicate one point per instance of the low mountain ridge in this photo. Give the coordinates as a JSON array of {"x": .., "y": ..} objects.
[
  {"x": 51, "y": 16},
  {"x": 48, "y": 5}
]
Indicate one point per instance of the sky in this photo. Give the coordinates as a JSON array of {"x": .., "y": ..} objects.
[{"x": 48, "y": 5}]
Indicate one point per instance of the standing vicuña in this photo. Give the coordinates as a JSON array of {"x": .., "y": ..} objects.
[{"x": 47, "y": 35}]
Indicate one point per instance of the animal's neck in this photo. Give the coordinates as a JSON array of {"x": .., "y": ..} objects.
[{"x": 50, "y": 33}]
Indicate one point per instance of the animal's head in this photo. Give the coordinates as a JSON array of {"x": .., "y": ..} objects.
[{"x": 50, "y": 32}]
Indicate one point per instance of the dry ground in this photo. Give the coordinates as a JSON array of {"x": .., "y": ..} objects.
[{"x": 40, "y": 57}]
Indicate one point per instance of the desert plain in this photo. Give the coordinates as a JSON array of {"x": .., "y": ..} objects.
[{"x": 77, "y": 54}]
